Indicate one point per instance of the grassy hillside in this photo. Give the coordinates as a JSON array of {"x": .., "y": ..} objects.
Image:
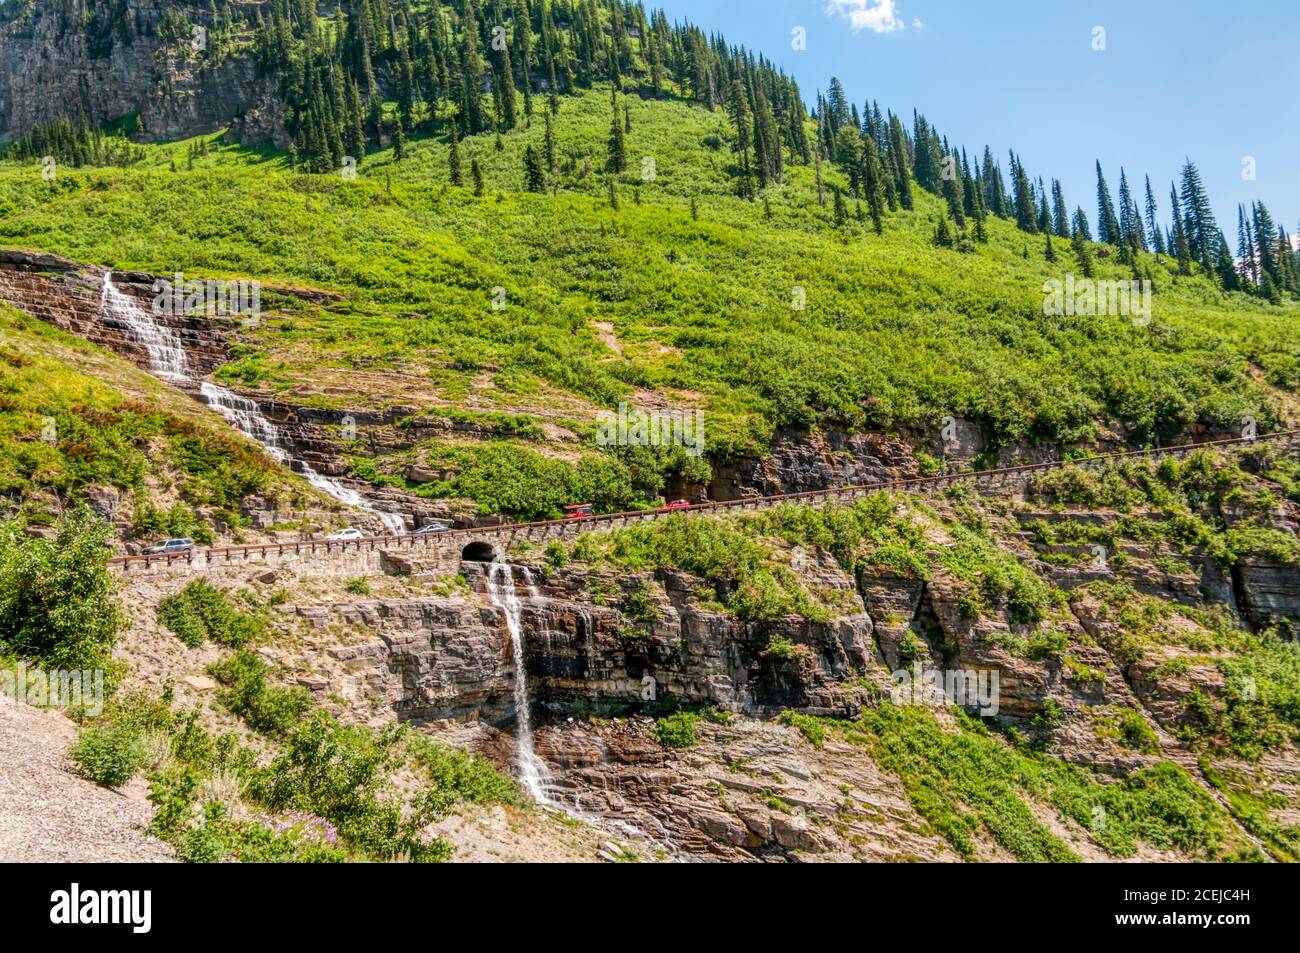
[
  {"x": 600, "y": 302},
  {"x": 76, "y": 419}
]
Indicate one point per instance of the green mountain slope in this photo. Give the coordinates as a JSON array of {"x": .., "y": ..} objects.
[{"x": 896, "y": 331}]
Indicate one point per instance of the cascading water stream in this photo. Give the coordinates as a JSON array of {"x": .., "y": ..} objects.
[
  {"x": 532, "y": 771},
  {"x": 166, "y": 355},
  {"x": 167, "y": 360}
]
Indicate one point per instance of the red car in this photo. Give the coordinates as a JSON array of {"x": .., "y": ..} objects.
[
  {"x": 579, "y": 511},
  {"x": 679, "y": 505}
]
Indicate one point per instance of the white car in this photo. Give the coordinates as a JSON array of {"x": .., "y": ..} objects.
[{"x": 348, "y": 533}]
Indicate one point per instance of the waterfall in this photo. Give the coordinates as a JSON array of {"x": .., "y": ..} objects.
[
  {"x": 167, "y": 360},
  {"x": 532, "y": 771},
  {"x": 245, "y": 416},
  {"x": 166, "y": 355}
]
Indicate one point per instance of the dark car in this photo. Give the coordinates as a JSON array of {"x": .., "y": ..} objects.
[
  {"x": 430, "y": 528},
  {"x": 171, "y": 546}
]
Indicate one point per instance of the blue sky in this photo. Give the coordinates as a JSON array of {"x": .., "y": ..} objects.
[{"x": 1177, "y": 78}]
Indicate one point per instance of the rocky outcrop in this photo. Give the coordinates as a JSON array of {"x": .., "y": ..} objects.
[
  {"x": 814, "y": 460},
  {"x": 1270, "y": 593},
  {"x": 448, "y": 658},
  {"x": 123, "y": 60},
  {"x": 69, "y": 295}
]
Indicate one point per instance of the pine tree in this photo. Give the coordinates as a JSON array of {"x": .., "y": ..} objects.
[
  {"x": 471, "y": 71},
  {"x": 943, "y": 232},
  {"x": 1080, "y": 225},
  {"x": 1060, "y": 213},
  {"x": 873, "y": 184},
  {"x": 1157, "y": 238},
  {"x": 979, "y": 214},
  {"x": 952, "y": 193},
  {"x": 399, "y": 139},
  {"x": 841, "y": 213},
  {"x": 738, "y": 110},
  {"x": 534, "y": 175},
  {"x": 476, "y": 176},
  {"x": 1026, "y": 212},
  {"x": 1108, "y": 231},
  {"x": 1129, "y": 225},
  {"x": 898, "y": 153},
  {"x": 1179, "y": 238},
  {"x": 611, "y": 192},
  {"x": 1082, "y": 250},
  {"x": 617, "y": 143},
  {"x": 1050, "y": 252},
  {"x": 1246, "y": 249},
  {"x": 1198, "y": 218},
  {"x": 453, "y": 154},
  {"x": 1265, "y": 251}
]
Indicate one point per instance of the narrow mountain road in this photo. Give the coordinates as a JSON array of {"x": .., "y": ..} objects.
[{"x": 200, "y": 559}]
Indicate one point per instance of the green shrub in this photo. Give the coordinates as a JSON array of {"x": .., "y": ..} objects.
[
  {"x": 358, "y": 587},
  {"x": 811, "y": 728},
  {"x": 110, "y": 756},
  {"x": 270, "y": 709},
  {"x": 677, "y": 730},
  {"x": 341, "y": 773},
  {"x": 57, "y": 602},
  {"x": 201, "y": 611},
  {"x": 639, "y": 605},
  {"x": 463, "y": 775}
]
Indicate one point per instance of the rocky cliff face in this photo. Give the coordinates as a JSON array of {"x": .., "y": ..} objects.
[
  {"x": 1104, "y": 680},
  {"x": 110, "y": 60}
]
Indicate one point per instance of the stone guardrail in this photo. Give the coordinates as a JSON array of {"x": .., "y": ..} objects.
[{"x": 551, "y": 529}]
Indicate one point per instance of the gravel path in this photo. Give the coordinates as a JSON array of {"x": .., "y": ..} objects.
[{"x": 48, "y": 813}]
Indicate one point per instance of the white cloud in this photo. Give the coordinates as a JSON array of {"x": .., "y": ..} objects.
[
  {"x": 878, "y": 16},
  {"x": 917, "y": 24}
]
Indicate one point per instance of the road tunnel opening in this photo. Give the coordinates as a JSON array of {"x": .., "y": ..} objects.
[{"x": 478, "y": 552}]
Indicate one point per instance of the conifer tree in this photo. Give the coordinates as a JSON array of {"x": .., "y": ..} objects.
[
  {"x": 738, "y": 110},
  {"x": 471, "y": 71},
  {"x": 1108, "y": 231},
  {"x": 898, "y": 153},
  {"x": 1060, "y": 213},
  {"x": 1026, "y": 213},
  {"x": 453, "y": 154},
  {"x": 1157, "y": 238},
  {"x": 476, "y": 176},
  {"x": 952, "y": 193},
  {"x": 1080, "y": 225},
  {"x": 1082, "y": 250},
  {"x": 1265, "y": 250},
  {"x": 1179, "y": 238},
  {"x": 1198, "y": 218},
  {"x": 534, "y": 175},
  {"x": 617, "y": 143},
  {"x": 979, "y": 213},
  {"x": 873, "y": 183},
  {"x": 841, "y": 213}
]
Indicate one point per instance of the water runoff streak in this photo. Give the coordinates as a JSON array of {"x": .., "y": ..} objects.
[
  {"x": 167, "y": 360},
  {"x": 532, "y": 771}
]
